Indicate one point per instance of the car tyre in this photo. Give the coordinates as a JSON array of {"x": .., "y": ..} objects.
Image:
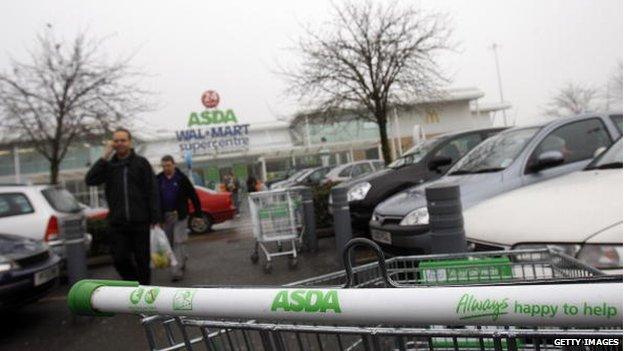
[{"x": 200, "y": 227}]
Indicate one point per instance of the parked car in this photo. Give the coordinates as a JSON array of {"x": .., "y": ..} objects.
[
  {"x": 353, "y": 170},
  {"x": 41, "y": 212},
  {"x": 216, "y": 207},
  {"x": 310, "y": 177},
  {"x": 579, "y": 214},
  {"x": 28, "y": 271},
  {"x": 511, "y": 159},
  {"x": 425, "y": 161},
  {"x": 291, "y": 179},
  {"x": 282, "y": 176}
]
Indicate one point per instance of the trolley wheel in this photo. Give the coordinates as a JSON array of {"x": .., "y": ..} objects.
[
  {"x": 268, "y": 267},
  {"x": 292, "y": 262},
  {"x": 254, "y": 257}
]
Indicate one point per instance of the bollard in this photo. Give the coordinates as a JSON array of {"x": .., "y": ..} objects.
[
  {"x": 342, "y": 218},
  {"x": 310, "y": 241},
  {"x": 75, "y": 251},
  {"x": 446, "y": 220}
]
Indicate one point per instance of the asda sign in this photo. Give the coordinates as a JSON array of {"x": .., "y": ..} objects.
[
  {"x": 213, "y": 131},
  {"x": 306, "y": 301}
]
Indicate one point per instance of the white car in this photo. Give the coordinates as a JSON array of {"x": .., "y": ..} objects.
[
  {"x": 579, "y": 214},
  {"x": 352, "y": 170},
  {"x": 42, "y": 212}
]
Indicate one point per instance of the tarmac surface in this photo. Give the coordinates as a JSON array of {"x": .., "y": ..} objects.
[{"x": 221, "y": 257}]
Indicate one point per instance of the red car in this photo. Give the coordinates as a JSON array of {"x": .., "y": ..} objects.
[{"x": 216, "y": 208}]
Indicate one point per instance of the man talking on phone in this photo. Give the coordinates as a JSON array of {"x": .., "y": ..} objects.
[{"x": 131, "y": 191}]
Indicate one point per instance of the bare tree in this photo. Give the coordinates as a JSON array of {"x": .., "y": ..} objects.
[
  {"x": 573, "y": 99},
  {"x": 64, "y": 92},
  {"x": 614, "y": 88},
  {"x": 368, "y": 58}
]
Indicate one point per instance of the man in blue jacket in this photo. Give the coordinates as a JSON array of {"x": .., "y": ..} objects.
[
  {"x": 175, "y": 192},
  {"x": 132, "y": 196}
]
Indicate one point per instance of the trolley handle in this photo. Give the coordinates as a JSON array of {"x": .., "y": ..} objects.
[{"x": 381, "y": 260}]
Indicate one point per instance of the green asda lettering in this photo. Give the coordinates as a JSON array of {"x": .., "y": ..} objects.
[
  {"x": 211, "y": 117},
  {"x": 306, "y": 301}
]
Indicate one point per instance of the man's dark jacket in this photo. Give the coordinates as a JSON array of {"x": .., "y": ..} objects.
[
  {"x": 186, "y": 191},
  {"x": 130, "y": 188}
]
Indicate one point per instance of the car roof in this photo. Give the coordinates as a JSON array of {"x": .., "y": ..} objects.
[{"x": 5, "y": 188}]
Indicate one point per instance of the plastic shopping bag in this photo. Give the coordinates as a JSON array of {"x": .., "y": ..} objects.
[{"x": 161, "y": 253}]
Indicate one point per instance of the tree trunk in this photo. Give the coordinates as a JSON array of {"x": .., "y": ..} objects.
[
  {"x": 54, "y": 171},
  {"x": 383, "y": 138}
]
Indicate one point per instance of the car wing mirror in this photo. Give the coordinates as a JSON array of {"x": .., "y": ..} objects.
[
  {"x": 548, "y": 159},
  {"x": 439, "y": 161}
]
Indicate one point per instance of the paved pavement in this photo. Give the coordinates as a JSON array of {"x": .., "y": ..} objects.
[{"x": 217, "y": 258}]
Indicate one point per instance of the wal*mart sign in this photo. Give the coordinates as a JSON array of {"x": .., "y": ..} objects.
[{"x": 213, "y": 131}]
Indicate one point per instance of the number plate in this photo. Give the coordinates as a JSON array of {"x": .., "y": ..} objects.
[
  {"x": 46, "y": 275},
  {"x": 381, "y": 236}
]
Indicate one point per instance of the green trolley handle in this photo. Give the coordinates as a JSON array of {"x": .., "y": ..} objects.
[{"x": 79, "y": 298}]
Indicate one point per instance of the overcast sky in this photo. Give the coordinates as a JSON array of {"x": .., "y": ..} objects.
[{"x": 233, "y": 46}]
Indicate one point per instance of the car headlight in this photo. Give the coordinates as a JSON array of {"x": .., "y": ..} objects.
[
  {"x": 601, "y": 256},
  {"x": 418, "y": 216},
  {"x": 6, "y": 264},
  {"x": 358, "y": 191}
]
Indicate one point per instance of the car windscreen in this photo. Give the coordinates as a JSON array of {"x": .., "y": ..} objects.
[
  {"x": 611, "y": 158},
  {"x": 415, "y": 154},
  {"x": 495, "y": 153},
  {"x": 61, "y": 200},
  {"x": 296, "y": 175}
]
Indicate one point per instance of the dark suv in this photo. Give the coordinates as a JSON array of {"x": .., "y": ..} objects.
[{"x": 424, "y": 162}]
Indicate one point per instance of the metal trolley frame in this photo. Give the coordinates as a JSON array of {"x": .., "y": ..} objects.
[
  {"x": 276, "y": 217},
  {"x": 528, "y": 268}
]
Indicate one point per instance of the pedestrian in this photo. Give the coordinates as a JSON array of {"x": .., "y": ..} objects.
[
  {"x": 232, "y": 185},
  {"x": 251, "y": 184},
  {"x": 132, "y": 197},
  {"x": 176, "y": 190}
]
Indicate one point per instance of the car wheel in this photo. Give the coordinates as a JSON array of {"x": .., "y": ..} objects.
[{"x": 200, "y": 225}]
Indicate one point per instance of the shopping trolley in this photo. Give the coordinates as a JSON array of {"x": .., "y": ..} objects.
[
  {"x": 500, "y": 300},
  {"x": 276, "y": 218}
]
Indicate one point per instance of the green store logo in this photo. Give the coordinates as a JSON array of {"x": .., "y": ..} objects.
[
  {"x": 135, "y": 296},
  {"x": 183, "y": 300},
  {"x": 151, "y": 294},
  {"x": 306, "y": 301},
  {"x": 469, "y": 307}
]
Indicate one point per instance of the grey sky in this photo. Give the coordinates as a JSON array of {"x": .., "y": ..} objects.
[{"x": 232, "y": 47}]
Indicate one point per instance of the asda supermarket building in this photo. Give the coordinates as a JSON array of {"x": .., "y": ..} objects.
[{"x": 215, "y": 141}]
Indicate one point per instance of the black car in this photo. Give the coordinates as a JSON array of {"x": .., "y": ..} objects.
[
  {"x": 424, "y": 162},
  {"x": 28, "y": 271}
]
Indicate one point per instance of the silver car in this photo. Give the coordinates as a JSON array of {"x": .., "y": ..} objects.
[{"x": 509, "y": 160}]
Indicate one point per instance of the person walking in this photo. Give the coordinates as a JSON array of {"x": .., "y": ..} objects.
[
  {"x": 132, "y": 196},
  {"x": 175, "y": 192},
  {"x": 232, "y": 185}
]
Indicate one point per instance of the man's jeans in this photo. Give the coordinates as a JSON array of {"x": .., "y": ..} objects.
[{"x": 177, "y": 234}]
